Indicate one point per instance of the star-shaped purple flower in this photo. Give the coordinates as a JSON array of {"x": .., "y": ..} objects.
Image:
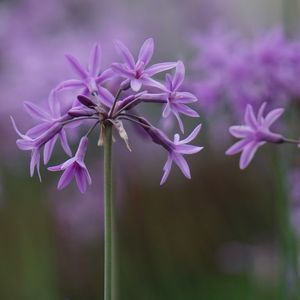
[
  {"x": 255, "y": 133},
  {"x": 45, "y": 133},
  {"x": 90, "y": 77},
  {"x": 136, "y": 72},
  {"x": 176, "y": 151},
  {"x": 75, "y": 167},
  {"x": 176, "y": 100}
]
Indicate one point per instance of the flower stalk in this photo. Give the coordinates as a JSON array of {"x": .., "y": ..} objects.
[
  {"x": 289, "y": 262},
  {"x": 108, "y": 213}
]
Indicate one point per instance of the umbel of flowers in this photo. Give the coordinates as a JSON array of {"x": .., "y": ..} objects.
[
  {"x": 96, "y": 102},
  {"x": 110, "y": 108}
]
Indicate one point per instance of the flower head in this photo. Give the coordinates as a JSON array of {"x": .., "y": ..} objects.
[
  {"x": 255, "y": 133},
  {"x": 137, "y": 72},
  {"x": 75, "y": 167},
  {"x": 90, "y": 77},
  {"x": 176, "y": 101}
]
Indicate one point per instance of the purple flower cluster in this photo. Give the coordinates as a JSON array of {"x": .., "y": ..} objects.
[
  {"x": 98, "y": 101},
  {"x": 233, "y": 69}
]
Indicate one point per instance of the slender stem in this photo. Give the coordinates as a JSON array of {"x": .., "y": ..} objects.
[
  {"x": 289, "y": 267},
  {"x": 291, "y": 141},
  {"x": 108, "y": 214}
]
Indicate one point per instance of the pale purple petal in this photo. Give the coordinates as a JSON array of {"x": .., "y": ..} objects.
[
  {"x": 55, "y": 168},
  {"x": 161, "y": 67},
  {"x": 35, "y": 158},
  {"x": 146, "y": 51},
  {"x": 180, "y": 123},
  {"x": 169, "y": 83},
  {"x": 154, "y": 83},
  {"x": 17, "y": 130},
  {"x": 187, "y": 149},
  {"x": 75, "y": 64},
  {"x": 182, "y": 164},
  {"x": 179, "y": 76},
  {"x": 105, "y": 75},
  {"x": 25, "y": 144},
  {"x": 272, "y": 116},
  {"x": 106, "y": 97},
  {"x": 70, "y": 84},
  {"x": 68, "y": 163},
  {"x": 125, "y": 53},
  {"x": 185, "y": 110},
  {"x": 240, "y": 131},
  {"x": 248, "y": 154},
  {"x": 136, "y": 84},
  {"x": 185, "y": 97},
  {"x": 250, "y": 117},
  {"x": 54, "y": 104},
  {"x": 261, "y": 113},
  {"x": 237, "y": 147},
  {"x": 66, "y": 177},
  {"x": 95, "y": 60},
  {"x": 166, "y": 111},
  {"x": 167, "y": 169},
  {"x": 122, "y": 70},
  {"x": 192, "y": 136},
  {"x": 82, "y": 148},
  {"x": 48, "y": 149},
  {"x": 82, "y": 178},
  {"x": 38, "y": 130},
  {"x": 36, "y": 112},
  {"x": 64, "y": 142}
]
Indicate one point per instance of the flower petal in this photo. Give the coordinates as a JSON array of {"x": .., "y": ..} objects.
[
  {"x": 106, "y": 97},
  {"x": 192, "y": 135},
  {"x": 241, "y": 131},
  {"x": 82, "y": 178},
  {"x": 36, "y": 112},
  {"x": 167, "y": 169},
  {"x": 121, "y": 70},
  {"x": 146, "y": 51},
  {"x": 75, "y": 64},
  {"x": 250, "y": 119},
  {"x": 248, "y": 154},
  {"x": 125, "y": 53},
  {"x": 66, "y": 177},
  {"x": 179, "y": 76},
  {"x": 95, "y": 60},
  {"x": 182, "y": 164},
  {"x": 70, "y": 84},
  {"x": 185, "y": 97},
  {"x": 64, "y": 142},
  {"x": 136, "y": 84},
  {"x": 17, "y": 130},
  {"x": 48, "y": 149},
  {"x": 161, "y": 67},
  {"x": 187, "y": 149},
  {"x": 185, "y": 110},
  {"x": 237, "y": 147},
  {"x": 180, "y": 123},
  {"x": 272, "y": 116},
  {"x": 105, "y": 75}
]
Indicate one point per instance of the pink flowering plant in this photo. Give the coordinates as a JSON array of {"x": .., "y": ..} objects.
[{"x": 109, "y": 109}]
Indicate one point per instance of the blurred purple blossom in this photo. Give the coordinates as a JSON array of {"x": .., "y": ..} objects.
[{"x": 233, "y": 69}]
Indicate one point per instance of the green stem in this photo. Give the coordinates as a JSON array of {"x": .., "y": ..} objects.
[
  {"x": 108, "y": 214},
  {"x": 289, "y": 270}
]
